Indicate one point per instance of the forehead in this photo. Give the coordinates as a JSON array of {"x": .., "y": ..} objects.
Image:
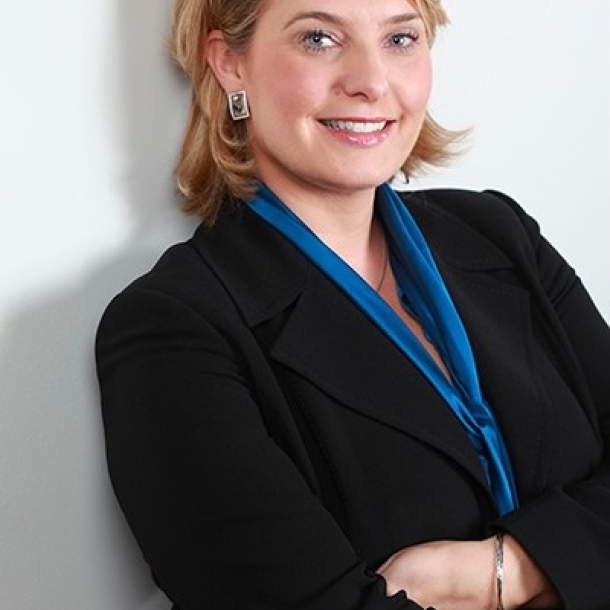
[{"x": 358, "y": 11}]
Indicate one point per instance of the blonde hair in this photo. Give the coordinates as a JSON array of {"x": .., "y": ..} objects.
[{"x": 215, "y": 163}]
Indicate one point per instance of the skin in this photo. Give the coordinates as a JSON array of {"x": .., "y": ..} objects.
[
  {"x": 315, "y": 68},
  {"x": 460, "y": 575}
]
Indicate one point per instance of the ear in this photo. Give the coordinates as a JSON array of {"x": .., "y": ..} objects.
[{"x": 224, "y": 62}]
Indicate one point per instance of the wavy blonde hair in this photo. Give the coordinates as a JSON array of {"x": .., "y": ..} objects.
[{"x": 215, "y": 163}]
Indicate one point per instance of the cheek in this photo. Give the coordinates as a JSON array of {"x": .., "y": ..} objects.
[
  {"x": 289, "y": 86},
  {"x": 416, "y": 88}
]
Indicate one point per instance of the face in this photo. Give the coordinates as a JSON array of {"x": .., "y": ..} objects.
[{"x": 338, "y": 91}]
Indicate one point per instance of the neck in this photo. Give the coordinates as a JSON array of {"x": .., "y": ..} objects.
[{"x": 347, "y": 225}]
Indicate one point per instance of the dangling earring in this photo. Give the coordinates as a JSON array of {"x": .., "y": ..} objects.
[{"x": 238, "y": 105}]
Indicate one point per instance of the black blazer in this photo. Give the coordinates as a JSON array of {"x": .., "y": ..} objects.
[{"x": 270, "y": 447}]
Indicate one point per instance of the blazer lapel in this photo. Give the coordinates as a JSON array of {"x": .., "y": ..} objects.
[
  {"x": 497, "y": 316},
  {"x": 498, "y": 322},
  {"x": 329, "y": 341},
  {"x": 326, "y": 339}
]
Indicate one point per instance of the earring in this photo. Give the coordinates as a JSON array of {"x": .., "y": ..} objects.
[{"x": 238, "y": 105}]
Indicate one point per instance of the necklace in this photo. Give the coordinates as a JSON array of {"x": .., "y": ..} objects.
[{"x": 385, "y": 267}]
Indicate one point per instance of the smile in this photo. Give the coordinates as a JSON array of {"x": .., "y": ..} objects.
[{"x": 356, "y": 126}]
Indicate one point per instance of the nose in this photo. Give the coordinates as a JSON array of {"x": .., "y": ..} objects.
[{"x": 364, "y": 74}]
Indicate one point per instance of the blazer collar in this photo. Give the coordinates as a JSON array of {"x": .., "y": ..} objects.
[
  {"x": 265, "y": 273},
  {"x": 261, "y": 270}
]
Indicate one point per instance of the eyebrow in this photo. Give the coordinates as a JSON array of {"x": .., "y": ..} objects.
[{"x": 336, "y": 20}]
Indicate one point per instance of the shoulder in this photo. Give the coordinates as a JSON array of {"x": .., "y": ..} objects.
[
  {"x": 466, "y": 226},
  {"x": 491, "y": 214},
  {"x": 483, "y": 210},
  {"x": 225, "y": 274},
  {"x": 182, "y": 283},
  {"x": 180, "y": 274}
]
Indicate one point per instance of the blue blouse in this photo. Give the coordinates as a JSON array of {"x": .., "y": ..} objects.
[{"x": 424, "y": 294}]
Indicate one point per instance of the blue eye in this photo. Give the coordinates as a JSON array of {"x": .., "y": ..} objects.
[
  {"x": 403, "y": 41},
  {"x": 318, "y": 40}
]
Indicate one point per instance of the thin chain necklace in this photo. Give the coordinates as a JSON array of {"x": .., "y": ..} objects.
[{"x": 386, "y": 264}]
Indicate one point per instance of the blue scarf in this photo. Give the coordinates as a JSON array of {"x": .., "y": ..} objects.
[{"x": 429, "y": 302}]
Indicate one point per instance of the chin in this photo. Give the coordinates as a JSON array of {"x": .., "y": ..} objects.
[{"x": 360, "y": 180}]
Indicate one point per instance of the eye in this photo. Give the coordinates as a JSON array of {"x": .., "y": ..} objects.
[
  {"x": 317, "y": 40},
  {"x": 404, "y": 40}
]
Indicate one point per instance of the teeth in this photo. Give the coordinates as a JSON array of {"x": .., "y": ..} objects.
[{"x": 356, "y": 126}]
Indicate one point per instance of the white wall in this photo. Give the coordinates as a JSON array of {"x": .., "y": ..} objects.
[
  {"x": 91, "y": 112},
  {"x": 532, "y": 77}
]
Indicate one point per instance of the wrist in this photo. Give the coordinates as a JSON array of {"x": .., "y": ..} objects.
[{"x": 523, "y": 581}]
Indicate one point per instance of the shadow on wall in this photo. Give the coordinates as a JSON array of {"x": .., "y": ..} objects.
[
  {"x": 66, "y": 545},
  {"x": 74, "y": 549}
]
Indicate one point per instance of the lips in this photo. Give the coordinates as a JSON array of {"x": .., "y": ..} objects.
[{"x": 355, "y": 126}]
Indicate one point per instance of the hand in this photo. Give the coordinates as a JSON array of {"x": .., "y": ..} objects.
[
  {"x": 459, "y": 575},
  {"x": 447, "y": 575}
]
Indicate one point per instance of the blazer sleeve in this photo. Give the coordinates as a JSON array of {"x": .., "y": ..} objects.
[
  {"x": 222, "y": 515},
  {"x": 567, "y": 530}
]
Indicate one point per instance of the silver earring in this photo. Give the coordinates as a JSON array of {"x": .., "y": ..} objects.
[{"x": 238, "y": 105}]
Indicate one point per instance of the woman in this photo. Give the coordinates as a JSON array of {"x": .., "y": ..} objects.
[{"x": 332, "y": 398}]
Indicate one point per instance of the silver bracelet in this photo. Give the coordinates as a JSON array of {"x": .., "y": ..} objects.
[{"x": 499, "y": 569}]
